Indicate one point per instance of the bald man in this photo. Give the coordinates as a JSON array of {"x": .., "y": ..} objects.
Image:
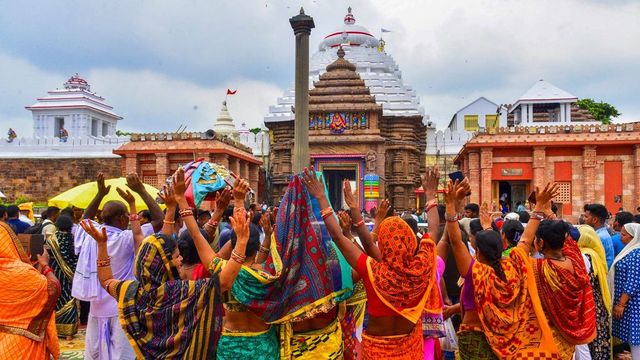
[{"x": 105, "y": 339}]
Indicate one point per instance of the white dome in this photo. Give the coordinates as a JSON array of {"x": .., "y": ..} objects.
[{"x": 349, "y": 34}]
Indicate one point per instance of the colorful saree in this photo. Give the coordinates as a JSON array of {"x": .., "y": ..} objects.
[
  {"x": 165, "y": 317},
  {"x": 264, "y": 345},
  {"x": 399, "y": 347},
  {"x": 305, "y": 273},
  {"x": 403, "y": 281},
  {"x": 63, "y": 262},
  {"x": 567, "y": 297},
  {"x": 27, "y": 304},
  {"x": 591, "y": 247},
  {"x": 512, "y": 318},
  {"x": 318, "y": 344},
  {"x": 352, "y": 322}
]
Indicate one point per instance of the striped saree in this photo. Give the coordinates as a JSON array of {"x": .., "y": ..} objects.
[
  {"x": 168, "y": 318},
  {"x": 63, "y": 262}
]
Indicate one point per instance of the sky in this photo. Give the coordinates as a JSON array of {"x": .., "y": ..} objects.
[{"x": 166, "y": 63}]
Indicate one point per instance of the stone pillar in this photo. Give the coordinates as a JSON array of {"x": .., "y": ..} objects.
[
  {"x": 486, "y": 164},
  {"x": 538, "y": 165},
  {"x": 563, "y": 113},
  {"x": 130, "y": 164},
  {"x": 244, "y": 169},
  {"x": 474, "y": 175},
  {"x": 568, "y": 112},
  {"x": 253, "y": 177},
  {"x": 636, "y": 167},
  {"x": 234, "y": 165},
  {"x": 589, "y": 173},
  {"x": 302, "y": 25},
  {"x": 523, "y": 114},
  {"x": 162, "y": 168},
  {"x": 530, "y": 113}
]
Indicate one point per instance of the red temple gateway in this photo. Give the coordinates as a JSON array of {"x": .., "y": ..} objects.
[{"x": 592, "y": 164}]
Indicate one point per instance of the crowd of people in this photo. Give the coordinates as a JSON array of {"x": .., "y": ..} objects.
[{"x": 302, "y": 280}]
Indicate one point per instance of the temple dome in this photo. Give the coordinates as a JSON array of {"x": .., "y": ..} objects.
[
  {"x": 76, "y": 82},
  {"x": 224, "y": 123},
  {"x": 349, "y": 34}
]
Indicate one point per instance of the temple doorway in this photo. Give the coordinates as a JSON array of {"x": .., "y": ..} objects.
[
  {"x": 510, "y": 192},
  {"x": 334, "y": 178}
]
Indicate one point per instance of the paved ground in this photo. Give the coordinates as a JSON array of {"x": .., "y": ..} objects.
[{"x": 73, "y": 349}]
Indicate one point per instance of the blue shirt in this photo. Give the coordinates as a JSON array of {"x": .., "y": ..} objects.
[
  {"x": 616, "y": 239},
  {"x": 18, "y": 225},
  {"x": 607, "y": 244}
]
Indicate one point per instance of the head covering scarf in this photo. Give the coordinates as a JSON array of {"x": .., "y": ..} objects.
[
  {"x": 590, "y": 244},
  {"x": 510, "y": 311},
  {"x": 165, "y": 317},
  {"x": 27, "y": 307},
  {"x": 567, "y": 296},
  {"x": 634, "y": 230},
  {"x": 405, "y": 280}
]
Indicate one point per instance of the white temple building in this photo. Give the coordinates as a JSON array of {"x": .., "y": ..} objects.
[
  {"x": 89, "y": 125},
  {"x": 377, "y": 68},
  {"x": 258, "y": 141}
]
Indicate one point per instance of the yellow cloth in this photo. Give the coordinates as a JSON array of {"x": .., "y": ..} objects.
[
  {"x": 29, "y": 207},
  {"x": 318, "y": 344},
  {"x": 565, "y": 349},
  {"x": 590, "y": 244},
  {"x": 27, "y": 305}
]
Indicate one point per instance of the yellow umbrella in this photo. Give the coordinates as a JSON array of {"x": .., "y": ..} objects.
[{"x": 81, "y": 195}]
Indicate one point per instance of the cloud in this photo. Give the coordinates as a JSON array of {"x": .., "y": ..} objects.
[{"x": 148, "y": 101}]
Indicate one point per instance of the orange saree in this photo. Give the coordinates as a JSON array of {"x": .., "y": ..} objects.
[{"x": 27, "y": 304}]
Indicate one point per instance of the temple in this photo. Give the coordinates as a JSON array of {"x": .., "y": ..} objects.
[{"x": 365, "y": 125}]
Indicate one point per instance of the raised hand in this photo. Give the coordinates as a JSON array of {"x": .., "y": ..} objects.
[
  {"x": 134, "y": 183},
  {"x": 240, "y": 190},
  {"x": 382, "y": 211},
  {"x": 265, "y": 223},
  {"x": 178, "y": 185},
  {"x": 430, "y": 181},
  {"x": 240, "y": 224},
  {"x": 168, "y": 197},
  {"x": 100, "y": 236},
  {"x": 102, "y": 189},
  {"x": 349, "y": 197},
  {"x": 126, "y": 196},
  {"x": 544, "y": 197},
  {"x": 345, "y": 222},
  {"x": 313, "y": 183},
  {"x": 223, "y": 199},
  {"x": 485, "y": 216},
  {"x": 43, "y": 259}
]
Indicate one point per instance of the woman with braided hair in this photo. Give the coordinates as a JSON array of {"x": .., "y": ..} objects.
[{"x": 502, "y": 315}]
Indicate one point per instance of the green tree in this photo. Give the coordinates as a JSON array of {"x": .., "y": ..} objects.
[
  {"x": 601, "y": 111},
  {"x": 255, "y": 131}
]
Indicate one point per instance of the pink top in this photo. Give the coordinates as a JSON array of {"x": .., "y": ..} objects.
[{"x": 466, "y": 294}]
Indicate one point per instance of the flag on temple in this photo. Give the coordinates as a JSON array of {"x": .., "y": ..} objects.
[
  {"x": 229, "y": 92},
  {"x": 384, "y": 30}
]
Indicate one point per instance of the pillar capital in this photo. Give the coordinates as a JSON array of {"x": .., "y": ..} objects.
[{"x": 302, "y": 23}]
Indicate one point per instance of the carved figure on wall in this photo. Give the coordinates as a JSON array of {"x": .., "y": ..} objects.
[{"x": 370, "y": 160}]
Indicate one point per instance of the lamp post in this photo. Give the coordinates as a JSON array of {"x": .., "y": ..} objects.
[{"x": 302, "y": 25}]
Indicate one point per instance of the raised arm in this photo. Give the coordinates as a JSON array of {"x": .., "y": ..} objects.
[
  {"x": 541, "y": 210},
  {"x": 105, "y": 275},
  {"x": 92, "y": 209},
  {"x": 169, "y": 199},
  {"x": 134, "y": 183},
  {"x": 454, "y": 193},
  {"x": 205, "y": 252},
  {"x": 350, "y": 251},
  {"x": 265, "y": 247},
  {"x": 134, "y": 218},
  {"x": 358, "y": 222},
  {"x": 430, "y": 185},
  {"x": 240, "y": 225}
]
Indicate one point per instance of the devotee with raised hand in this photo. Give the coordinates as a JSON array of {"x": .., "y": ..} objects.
[
  {"x": 105, "y": 339},
  {"x": 563, "y": 284},
  {"x": 499, "y": 297},
  {"x": 624, "y": 282},
  {"x": 398, "y": 287},
  {"x": 27, "y": 308},
  {"x": 154, "y": 307}
]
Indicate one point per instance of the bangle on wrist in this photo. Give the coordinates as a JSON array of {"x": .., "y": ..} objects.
[
  {"x": 237, "y": 257},
  {"x": 359, "y": 223},
  {"x": 186, "y": 212},
  {"x": 47, "y": 270},
  {"x": 169, "y": 222},
  {"x": 263, "y": 249},
  {"x": 134, "y": 217},
  {"x": 452, "y": 218},
  {"x": 103, "y": 262}
]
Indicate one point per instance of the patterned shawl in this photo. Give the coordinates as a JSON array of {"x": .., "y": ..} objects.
[
  {"x": 405, "y": 280},
  {"x": 27, "y": 319},
  {"x": 512, "y": 318},
  {"x": 590, "y": 244},
  {"x": 567, "y": 297},
  {"x": 165, "y": 317},
  {"x": 305, "y": 273}
]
